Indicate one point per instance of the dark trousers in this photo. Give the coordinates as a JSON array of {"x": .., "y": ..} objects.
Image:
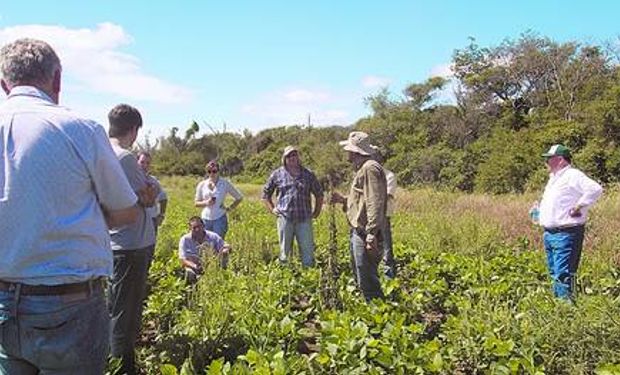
[{"x": 127, "y": 288}]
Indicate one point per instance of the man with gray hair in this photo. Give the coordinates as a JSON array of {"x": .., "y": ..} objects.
[{"x": 61, "y": 186}]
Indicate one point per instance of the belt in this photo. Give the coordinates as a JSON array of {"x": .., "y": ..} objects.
[
  {"x": 564, "y": 228},
  {"x": 54, "y": 290}
]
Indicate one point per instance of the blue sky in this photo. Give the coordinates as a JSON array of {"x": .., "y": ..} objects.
[{"x": 258, "y": 64}]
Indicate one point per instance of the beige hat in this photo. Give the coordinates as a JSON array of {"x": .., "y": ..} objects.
[
  {"x": 288, "y": 150},
  {"x": 359, "y": 143}
]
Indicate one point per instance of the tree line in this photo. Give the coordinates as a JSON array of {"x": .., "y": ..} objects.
[{"x": 507, "y": 103}]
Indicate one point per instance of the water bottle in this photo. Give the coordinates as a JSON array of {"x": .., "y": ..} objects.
[{"x": 535, "y": 213}]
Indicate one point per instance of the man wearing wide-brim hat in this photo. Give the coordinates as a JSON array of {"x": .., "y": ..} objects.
[
  {"x": 365, "y": 207},
  {"x": 563, "y": 211},
  {"x": 294, "y": 184}
]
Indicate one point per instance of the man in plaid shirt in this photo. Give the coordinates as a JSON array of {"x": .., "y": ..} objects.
[{"x": 294, "y": 184}]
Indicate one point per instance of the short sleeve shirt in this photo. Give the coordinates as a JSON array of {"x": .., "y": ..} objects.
[
  {"x": 141, "y": 233},
  {"x": 57, "y": 170},
  {"x": 189, "y": 248},
  {"x": 206, "y": 190},
  {"x": 154, "y": 211},
  {"x": 293, "y": 192}
]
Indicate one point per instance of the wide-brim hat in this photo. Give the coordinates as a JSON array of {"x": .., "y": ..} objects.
[
  {"x": 557, "y": 150},
  {"x": 359, "y": 143},
  {"x": 287, "y": 151}
]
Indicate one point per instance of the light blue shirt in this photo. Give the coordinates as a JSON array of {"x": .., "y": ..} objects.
[
  {"x": 189, "y": 248},
  {"x": 141, "y": 233},
  {"x": 56, "y": 171}
]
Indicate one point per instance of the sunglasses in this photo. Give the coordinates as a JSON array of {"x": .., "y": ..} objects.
[{"x": 212, "y": 171}]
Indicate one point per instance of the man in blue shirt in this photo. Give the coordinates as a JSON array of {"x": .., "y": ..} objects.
[
  {"x": 293, "y": 185},
  {"x": 192, "y": 246},
  {"x": 60, "y": 187}
]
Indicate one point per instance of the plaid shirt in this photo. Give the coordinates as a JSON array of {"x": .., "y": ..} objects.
[{"x": 293, "y": 193}]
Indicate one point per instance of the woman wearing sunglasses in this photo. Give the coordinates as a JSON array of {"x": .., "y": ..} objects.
[{"x": 211, "y": 194}]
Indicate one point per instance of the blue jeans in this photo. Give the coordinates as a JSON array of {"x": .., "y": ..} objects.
[
  {"x": 563, "y": 249},
  {"x": 59, "y": 334},
  {"x": 388, "y": 251},
  {"x": 302, "y": 230},
  {"x": 219, "y": 226},
  {"x": 365, "y": 264},
  {"x": 126, "y": 295}
]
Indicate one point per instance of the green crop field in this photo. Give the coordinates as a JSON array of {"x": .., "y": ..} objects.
[{"x": 472, "y": 296}]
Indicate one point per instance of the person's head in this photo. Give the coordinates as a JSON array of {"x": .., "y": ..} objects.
[
  {"x": 196, "y": 225},
  {"x": 290, "y": 157},
  {"x": 213, "y": 169},
  {"x": 358, "y": 147},
  {"x": 125, "y": 121},
  {"x": 144, "y": 160},
  {"x": 30, "y": 62},
  {"x": 557, "y": 157}
]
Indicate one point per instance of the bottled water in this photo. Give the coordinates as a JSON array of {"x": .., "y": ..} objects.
[{"x": 535, "y": 213}]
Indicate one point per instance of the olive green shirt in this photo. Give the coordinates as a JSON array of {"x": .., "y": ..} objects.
[{"x": 367, "y": 200}]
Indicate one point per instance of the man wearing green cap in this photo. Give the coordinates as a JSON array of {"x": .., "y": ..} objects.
[{"x": 568, "y": 195}]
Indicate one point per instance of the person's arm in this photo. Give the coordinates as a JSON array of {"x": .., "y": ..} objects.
[
  {"x": 217, "y": 243},
  {"x": 236, "y": 194},
  {"x": 590, "y": 193},
  {"x": 123, "y": 216},
  {"x": 163, "y": 205},
  {"x": 195, "y": 266},
  {"x": 186, "y": 259},
  {"x": 147, "y": 196},
  {"x": 200, "y": 200},
  {"x": 318, "y": 206},
  {"x": 337, "y": 198},
  {"x": 390, "y": 178},
  {"x": 375, "y": 200},
  {"x": 317, "y": 191},
  {"x": 268, "y": 190},
  {"x": 115, "y": 195},
  {"x": 145, "y": 189}
]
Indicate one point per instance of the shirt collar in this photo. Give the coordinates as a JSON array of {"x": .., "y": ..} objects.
[
  {"x": 560, "y": 172},
  {"x": 29, "y": 91}
]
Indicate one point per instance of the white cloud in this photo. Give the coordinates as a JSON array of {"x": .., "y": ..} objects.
[
  {"x": 442, "y": 70},
  {"x": 92, "y": 61},
  {"x": 375, "y": 81},
  {"x": 293, "y": 106},
  {"x": 447, "y": 94},
  {"x": 306, "y": 96}
]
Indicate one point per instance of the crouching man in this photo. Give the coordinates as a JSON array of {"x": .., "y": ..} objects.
[{"x": 192, "y": 245}]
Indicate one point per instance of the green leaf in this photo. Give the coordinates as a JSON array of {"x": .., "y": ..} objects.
[
  {"x": 216, "y": 367},
  {"x": 363, "y": 352},
  {"x": 286, "y": 325},
  {"x": 168, "y": 369}
]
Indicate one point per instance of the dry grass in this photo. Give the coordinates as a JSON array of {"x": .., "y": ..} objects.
[
  {"x": 507, "y": 213},
  {"x": 510, "y": 214}
]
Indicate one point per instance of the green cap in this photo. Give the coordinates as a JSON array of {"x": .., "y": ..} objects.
[{"x": 556, "y": 150}]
